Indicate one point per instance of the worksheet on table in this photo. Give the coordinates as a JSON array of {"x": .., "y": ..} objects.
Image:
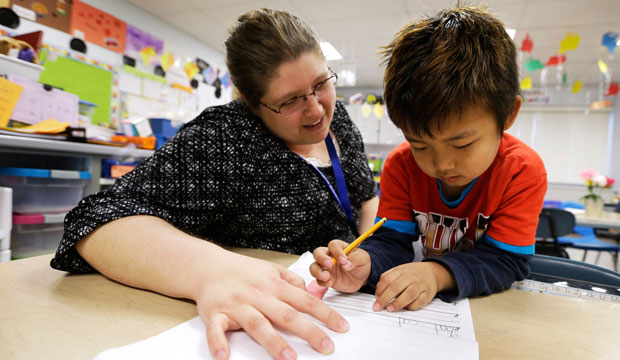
[{"x": 437, "y": 331}]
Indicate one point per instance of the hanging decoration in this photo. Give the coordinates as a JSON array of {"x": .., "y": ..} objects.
[
  {"x": 612, "y": 89},
  {"x": 191, "y": 69},
  {"x": 532, "y": 64},
  {"x": 570, "y": 42},
  {"x": 378, "y": 111},
  {"x": 166, "y": 60},
  {"x": 148, "y": 55},
  {"x": 609, "y": 41},
  {"x": 602, "y": 66},
  {"x": 210, "y": 75},
  {"x": 556, "y": 60},
  {"x": 366, "y": 109},
  {"x": 226, "y": 82},
  {"x": 526, "y": 83},
  {"x": 577, "y": 85},
  {"x": 527, "y": 45}
]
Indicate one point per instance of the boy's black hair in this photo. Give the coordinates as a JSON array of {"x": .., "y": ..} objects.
[{"x": 440, "y": 66}]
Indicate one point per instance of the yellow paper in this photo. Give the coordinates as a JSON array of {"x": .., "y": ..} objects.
[
  {"x": 577, "y": 86},
  {"x": 148, "y": 55},
  {"x": 378, "y": 111},
  {"x": 9, "y": 94},
  {"x": 602, "y": 66},
  {"x": 570, "y": 42},
  {"x": 366, "y": 110},
  {"x": 167, "y": 60},
  {"x": 50, "y": 126},
  {"x": 526, "y": 83},
  {"x": 191, "y": 69}
]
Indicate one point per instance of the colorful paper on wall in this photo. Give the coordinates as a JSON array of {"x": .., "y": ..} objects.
[
  {"x": 9, "y": 94},
  {"x": 53, "y": 13},
  {"x": 166, "y": 61},
  {"x": 526, "y": 83},
  {"x": 527, "y": 45},
  {"x": 70, "y": 75},
  {"x": 378, "y": 111},
  {"x": 602, "y": 66},
  {"x": 210, "y": 75},
  {"x": 612, "y": 89},
  {"x": 577, "y": 87},
  {"x": 366, "y": 109},
  {"x": 556, "y": 60},
  {"x": 191, "y": 69},
  {"x": 609, "y": 41},
  {"x": 98, "y": 27},
  {"x": 570, "y": 42},
  {"x": 226, "y": 82},
  {"x": 532, "y": 64},
  {"x": 139, "y": 43}
]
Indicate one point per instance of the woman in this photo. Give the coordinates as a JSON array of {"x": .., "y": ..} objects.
[{"x": 262, "y": 173}]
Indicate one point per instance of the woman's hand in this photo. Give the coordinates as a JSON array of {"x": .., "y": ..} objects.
[
  {"x": 411, "y": 285},
  {"x": 240, "y": 292},
  {"x": 350, "y": 272}
]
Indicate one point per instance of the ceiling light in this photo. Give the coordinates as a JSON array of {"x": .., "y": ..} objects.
[
  {"x": 618, "y": 43},
  {"x": 330, "y": 51},
  {"x": 511, "y": 32}
]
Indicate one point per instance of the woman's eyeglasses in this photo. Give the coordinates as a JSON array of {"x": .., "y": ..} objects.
[{"x": 298, "y": 103}]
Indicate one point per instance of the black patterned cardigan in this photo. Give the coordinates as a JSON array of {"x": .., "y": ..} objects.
[{"x": 224, "y": 177}]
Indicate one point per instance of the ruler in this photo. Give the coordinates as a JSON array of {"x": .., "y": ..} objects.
[{"x": 554, "y": 289}]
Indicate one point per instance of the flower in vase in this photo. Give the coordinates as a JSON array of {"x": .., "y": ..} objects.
[{"x": 595, "y": 181}]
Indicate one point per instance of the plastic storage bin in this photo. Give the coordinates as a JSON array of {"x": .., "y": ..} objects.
[
  {"x": 37, "y": 191},
  {"x": 35, "y": 235}
]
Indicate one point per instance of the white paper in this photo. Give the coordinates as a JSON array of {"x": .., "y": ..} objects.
[{"x": 437, "y": 331}]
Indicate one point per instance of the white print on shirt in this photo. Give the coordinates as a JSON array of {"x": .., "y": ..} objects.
[{"x": 441, "y": 234}]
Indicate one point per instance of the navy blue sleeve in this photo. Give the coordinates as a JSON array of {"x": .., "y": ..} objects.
[
  {"x": 387, "y": 248},
  {"x": 482, "y": 270}
]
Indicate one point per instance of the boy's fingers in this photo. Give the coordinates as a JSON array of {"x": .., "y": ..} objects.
[
  {"x": 318, "y": 273},
  {"x": 407, "y": 297},
  {"x": 323, "y": 257},
  {"x": 422, "y": 299},
  {"x": 391, "y": 291},
  {"x": 336, "y": 249}
]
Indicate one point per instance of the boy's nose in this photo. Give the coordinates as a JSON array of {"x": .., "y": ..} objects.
[{"x": 442, "y": 163}]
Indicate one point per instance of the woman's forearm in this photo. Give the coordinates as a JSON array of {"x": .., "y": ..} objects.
[{"x": 149, "y": 253}]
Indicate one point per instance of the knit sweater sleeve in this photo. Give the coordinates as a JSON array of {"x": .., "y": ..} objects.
[{"x": 179, "y": 183}]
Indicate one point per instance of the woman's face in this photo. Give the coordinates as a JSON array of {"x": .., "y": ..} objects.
[{"x": 312, "y": 115}]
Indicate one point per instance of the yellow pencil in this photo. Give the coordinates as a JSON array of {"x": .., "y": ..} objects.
[{"x": 362, "y": 237}]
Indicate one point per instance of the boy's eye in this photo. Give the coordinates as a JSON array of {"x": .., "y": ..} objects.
[
  {"x": 419, "y": 148},
  {"x": 464, "y": 146}
]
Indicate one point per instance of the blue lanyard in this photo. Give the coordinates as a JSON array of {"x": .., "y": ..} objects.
[{"x": 342, "y": 196}]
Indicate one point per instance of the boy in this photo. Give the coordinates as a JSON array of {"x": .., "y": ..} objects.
[{"x": 460, "y": 195}]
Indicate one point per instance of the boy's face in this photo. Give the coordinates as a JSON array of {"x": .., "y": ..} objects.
[{"x": 463, "y": 150}]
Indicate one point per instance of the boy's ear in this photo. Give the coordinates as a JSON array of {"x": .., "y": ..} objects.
[{"x": 512, "y": 117}]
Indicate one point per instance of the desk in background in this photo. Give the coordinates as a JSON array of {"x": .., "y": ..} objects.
[
  {"x": 47, "y": 314},
  {"x": 608, "y": 220}
]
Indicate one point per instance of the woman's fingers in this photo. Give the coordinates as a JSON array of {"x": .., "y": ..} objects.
[
  {"x": 260, "y": 329},
  {"x": 216, "y": 336},
  {"x": 307, "y": 303}
]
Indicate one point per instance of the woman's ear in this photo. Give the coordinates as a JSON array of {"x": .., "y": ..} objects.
[{"x": 512, "y": 117}]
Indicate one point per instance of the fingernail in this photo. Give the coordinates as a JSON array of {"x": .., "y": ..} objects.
[
  {"x": 288, "y": 354},
  {"x": 327, "y": 346},
  {"x": 390, "y": 308},
  {"x": 348, "y": 264},
  {"x": 376, "y": 306},
  {"x": 343, "y": 325},
  {"x": 326, "y": 263},
  {"x": 342, "y": 259},
  {"x": 220, "y": 355}
]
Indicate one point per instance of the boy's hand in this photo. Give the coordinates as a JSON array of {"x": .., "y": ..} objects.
[
  {"x": 348, "y": 274},
  {"x": 411, "y": 285}
]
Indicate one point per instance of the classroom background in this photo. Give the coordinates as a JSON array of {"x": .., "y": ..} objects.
[{"x": 93, "y": 87}]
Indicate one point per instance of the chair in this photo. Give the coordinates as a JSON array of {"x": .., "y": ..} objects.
[
  {"x": 589, "y": 241},
  {"x": 553, "y": 223},
  {"x": 576, "y": 273}
]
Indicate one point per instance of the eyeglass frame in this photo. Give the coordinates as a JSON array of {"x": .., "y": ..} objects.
[{"x": 312, "y": 93}]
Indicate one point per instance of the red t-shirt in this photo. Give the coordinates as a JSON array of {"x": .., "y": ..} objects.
[{"x": 503, "y": 203}]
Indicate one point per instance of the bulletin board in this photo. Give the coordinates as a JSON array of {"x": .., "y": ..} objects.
[
  {"x": 98, "y": 27},
  {"x": 88, "y": 82},
  {"x": 53, "y": 13}
]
